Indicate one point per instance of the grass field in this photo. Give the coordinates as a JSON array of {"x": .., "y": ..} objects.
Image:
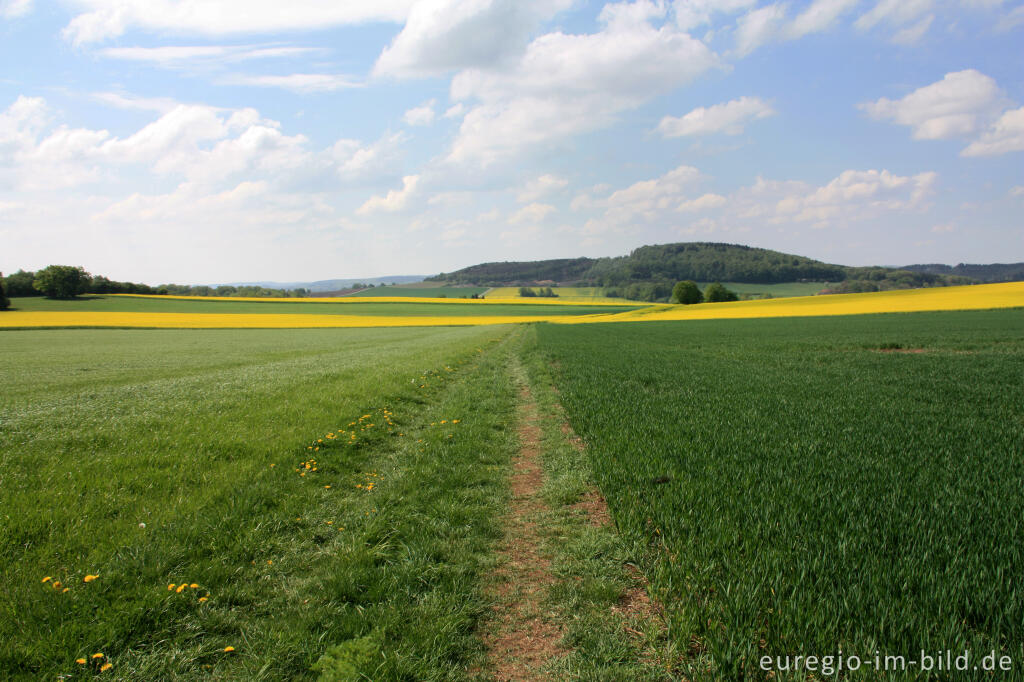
[
  {"x": 330, "y": 498},
  {"x": 577, "y": 294},
  {"x": 807, "y": 486},
  {"x": 154, "y": 459},
  {"x": 596, "y": 294},
  {"x": 419, "y": 291}
]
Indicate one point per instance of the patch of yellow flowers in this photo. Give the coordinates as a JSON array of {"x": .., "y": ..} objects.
[{"x": 976, "y": 297}]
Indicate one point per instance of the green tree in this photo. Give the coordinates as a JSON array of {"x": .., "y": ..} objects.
[
  {"x": 717, "y": 293},
  {"x": 20, "y": 284},
  {"x": 3, "y": 294},
  {"x": 61, "y": 281},
  {"x": 686, "y": 292}
]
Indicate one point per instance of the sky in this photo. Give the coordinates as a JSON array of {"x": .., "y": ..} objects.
[{"x": 208, "y": 141}]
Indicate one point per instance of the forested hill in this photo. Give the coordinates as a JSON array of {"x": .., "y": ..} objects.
[
  {"x": 994, "y": 272},
  {"x": 699, "y": 261}
]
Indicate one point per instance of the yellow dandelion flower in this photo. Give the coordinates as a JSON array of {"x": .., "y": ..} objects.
[
  {"x": 180, "y": 588},
  {"x": 56, "y": 584},
  {"x": 47, "y": 579},
  {"x": 65, "y": 590},
  {"x": 269, "y": 562},
  {"x": 80, "y": 661},
  {"x": 228, "y": 649},
  {"x": 202, "y": 599},
  {"x": 95, "y": 656},
  {"x": 89, "y": 578},
  {"x": 444, "y": 421},
  {"x": 327, "y": 487},
  {"x": 272, "y": 466},
  {"x": 170, "y": 587},
  {"x": 105, "y": 667},
  {"x": 455, "y": 421},
  {"x": 194, "y": 586}
]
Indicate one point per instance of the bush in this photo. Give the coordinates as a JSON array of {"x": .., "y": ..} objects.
[
  {"x": 20, "y": 284},
  {"x": 687, "y": 293},
  {"x": 62, "y": 281},
  {"x": 716, "y": 293}
]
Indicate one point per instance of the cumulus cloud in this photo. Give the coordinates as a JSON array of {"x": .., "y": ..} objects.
[
  {"x": 394, "y": 200},
  {"x": 540, "y": 187},
  {"x": 955, "y": 106},
  {"x": 446, "y": 35},
  {"x": 11, "y": 9},
  {"x": 1003, "y": 136},
  {"x": 100, "y": 20},
  {"x": 422, "y": 115},
  {"x": 728, "y": 118},
  {"x": 532, "y": 213},
  {"x": 769, "y": 24},
  {"x": 703, "y": 203},
  {"x": 566, "y": 84}
]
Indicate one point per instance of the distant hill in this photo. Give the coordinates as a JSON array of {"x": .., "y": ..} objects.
[
  {"x": 648, "y": 273},
  {"x": 995, "y": 272},
  {"x": 699, "y": 261},
  {"x": 332, "y": 284}
]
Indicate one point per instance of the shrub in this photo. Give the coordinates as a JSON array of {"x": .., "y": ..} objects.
[
  {"x": 61, "y": 281},
  {"x": 716, "y": 293},
  {"x": 687, "y": 293}
]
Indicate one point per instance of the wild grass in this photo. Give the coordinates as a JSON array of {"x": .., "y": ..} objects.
[
  {"x": 803, "y": 489},
  {"x": 159, "y": 458}
]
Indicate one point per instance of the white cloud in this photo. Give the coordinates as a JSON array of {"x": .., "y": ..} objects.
[
  {"x": 422, "y": 115},
  {"x": 455, "y": 111},
  {"x": 446, "y": 35},
  {"x": 955, "y": 106},
  {"x": 532, "y": 213},
  {"x": 172, "y": 56},
  {"x": 821, "y": 15},
  {"x": 647, "y": 199},
  {"x": 943, "y": 228},
  {"x": 540, "y": 187},
  {"x": 759, "y": 26},
  {"x": 394, "y": 200},
  {"x": 703, "y": 203},
  {"x": 912, "y": 35},
  {"x": 1017, "y": 191},
  {"x": 352, "y": 159},
  {"x": 564, "y": 85},
  {"x": 894, "y": 13},
  {"x": 854, "y": 191},
  {"x": 12, "y": 9},
  {"x": 691, "y": 14},
  {"x": 1003, "y": 136},
  {"x": 103, "y": 19},
  {"x": 132, "y": 102},
  {"x": 728, "y": 118},
  {"x": 303, "y": 83}
]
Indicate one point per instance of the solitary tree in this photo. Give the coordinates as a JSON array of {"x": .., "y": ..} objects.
[
  {"x": 3, "y": 294},
  {"x": 687, "y": 293},
  {"x": 61, "y": 281},
  {"x": 716, "y": 293}
]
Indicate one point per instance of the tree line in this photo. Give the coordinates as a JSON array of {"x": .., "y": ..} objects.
[{"x": 68, "y": 281}]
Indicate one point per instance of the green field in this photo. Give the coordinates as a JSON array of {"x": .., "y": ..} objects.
[
  {"x": 786, "y": 486},
  {"x": 158, "y": 304},
  {"x": 421, "y": 291},
  {"x": 200, "y": 436},
  {"x": 801, "y": 488},
  {"x": 783, "y": 290}
]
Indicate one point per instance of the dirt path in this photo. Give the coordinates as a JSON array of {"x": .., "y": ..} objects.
[{"x": 521, "y": 637}]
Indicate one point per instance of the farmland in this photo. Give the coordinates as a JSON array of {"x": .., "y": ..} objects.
[
  {"x": 286, "y": 503},
  {"x": 847, "y": 483}
]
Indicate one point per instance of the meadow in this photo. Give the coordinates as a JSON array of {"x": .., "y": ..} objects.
[
  {"x": 419, "y": 290},
  {"x": 815, "y": 485},
  {"x": 244, "y": 505}
]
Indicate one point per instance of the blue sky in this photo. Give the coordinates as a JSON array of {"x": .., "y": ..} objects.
[{"x": 200, "y": 141}]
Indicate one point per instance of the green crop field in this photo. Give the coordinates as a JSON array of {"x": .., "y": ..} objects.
[
  {"x": 801, "y": 487},
  {"x": 157, "y": 304},
  {"x": 783, "y": 290},
  {"x": 156, "y": 459},
  {"x": 421, "y": 291}
]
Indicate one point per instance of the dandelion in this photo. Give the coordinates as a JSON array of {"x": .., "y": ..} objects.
[
  {"x": 455, "y": 421},
  {"x": 170, "y": 587},
  {"x": 180, "y": 588},
  {"x": 80, "y": 661},
  {"x": 194, "y": 586},
  {"x": 89, "y": 578},
  {"x": 327, "y": 487},
  {"x": 272, "y": 466},
  {"x": 105, "y": 667},
  {"x": 228, "y": 649},
  {"x": 269, "y": 562},
  {"x": 47, "y": 579},
  {"x": 95, "y": 656},
  {"x": 202, "y": 599},
  {"x": 65, "y": 590},
  {"x": 56, "y": 584}
]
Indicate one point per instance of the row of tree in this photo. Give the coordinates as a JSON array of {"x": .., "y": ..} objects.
[
  {"x": 543, "y": 292},
  {"x": 687, "y": 292},
  {"x": 67, "y": 281}
]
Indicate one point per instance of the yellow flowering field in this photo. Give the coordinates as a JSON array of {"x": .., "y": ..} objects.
[{"x": 978, "y": 297}]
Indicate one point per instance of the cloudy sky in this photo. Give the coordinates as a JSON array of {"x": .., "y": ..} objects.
[{"x": 202, "y": 141}]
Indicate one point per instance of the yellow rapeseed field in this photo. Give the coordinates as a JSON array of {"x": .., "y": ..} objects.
[{"x": 978, "y": 297}]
